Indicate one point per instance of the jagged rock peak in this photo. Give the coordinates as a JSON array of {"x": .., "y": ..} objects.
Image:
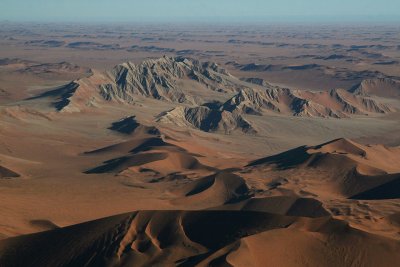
[
  {"x": 206, "y": 119},
  {"x": 384, "y": 87},
  {"x": 336, "y": 103},
  {"x": 157, "y": 78}
]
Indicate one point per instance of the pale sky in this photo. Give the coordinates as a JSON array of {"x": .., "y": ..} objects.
[{"x": 200, "y": 10}]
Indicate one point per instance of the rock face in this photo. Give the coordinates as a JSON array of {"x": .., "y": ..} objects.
[
  {"x": 336, "y": 103},
  {"x": 257, "y": 81},
  {"x": 206, "y": 119},
  {"x": 252, "y": 101},
  {"x": 159, "y": 79},
  {"x": 384, "y": 87}
]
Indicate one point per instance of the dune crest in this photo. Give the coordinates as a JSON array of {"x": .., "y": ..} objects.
[
  {"x": 146, "y": 154},
  {"x": 7, "y": 173},
  {"x": 198, "y": 238},
  {"x": 356, "y": 170}
]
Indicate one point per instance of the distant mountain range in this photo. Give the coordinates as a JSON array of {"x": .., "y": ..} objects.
[{"x": 186, "y": 81}]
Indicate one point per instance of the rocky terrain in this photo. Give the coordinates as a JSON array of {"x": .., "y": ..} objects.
[
  {"x": 159, "y": 79},
  {"x": 336, "y": 103},
  {"x": 168, "y": 79},
  {"x": 206, "y": 119},
  {"x": 383, "y": 87}
]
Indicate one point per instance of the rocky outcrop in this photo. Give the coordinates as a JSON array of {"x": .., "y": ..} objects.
[
  {"x": 159, "y": 78},
  {"x": 206, "y": 119},
  {"x": 384, "y": 87},
  {"x": 184, "y": 80},
  {"x": 350, "y": 103},
  {"x": 227, "y": 117},
  {"x": 336, "y": 103},
  {"x": 257, "y": 81},
  {"x": 253, "y": 101}
]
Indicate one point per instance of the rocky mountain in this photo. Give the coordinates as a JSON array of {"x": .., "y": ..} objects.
[
  {"x": 160, "y": 79},
  {"x": 179, "y": 80},
  {"x": 336, "y": 103},
  {"x": 227, "y": 117},
  {"x": 206, "y": 119},
  {"x": 383, "y": 87},
  {"x": 189, "y": 81}
]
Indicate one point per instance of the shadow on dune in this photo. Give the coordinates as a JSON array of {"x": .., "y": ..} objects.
[
  {"x": 7, "y": 173},
  {"x": 285, "y": 160},
  {"x": 60, "y": 94},
  {"x": 188, "y": 238},
  {"x": 388, "y": 190}
]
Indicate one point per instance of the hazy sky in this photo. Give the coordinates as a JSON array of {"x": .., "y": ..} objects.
[{"x": 200, "y": 10}]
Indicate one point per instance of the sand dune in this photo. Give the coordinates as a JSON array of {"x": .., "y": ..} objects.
[
  {"x": 201, "y": 238},
  {"x": 351, "y": 167},
  {"x": 371, "y": 158},
  {"x": 302, "y": 248},
  {"x": 146, "y": 153},
  {"x": 283, "y": 205},
  {"x": 60, "y": 95},
  {"x": 211, "y": 191},
  {"x": 7, "y": 173},
  {"x": 129, "y": 125},
  {"x": 387, "y": 190}
]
